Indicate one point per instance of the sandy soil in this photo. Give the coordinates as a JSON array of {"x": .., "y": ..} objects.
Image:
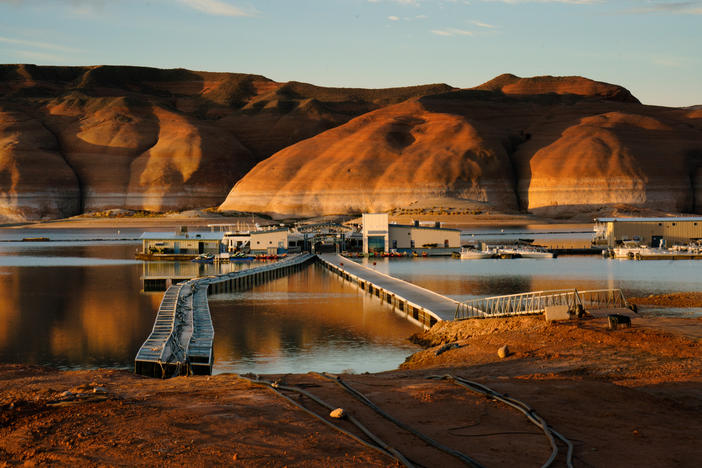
[
  {"x": 685, "y": 299},
  {"x": 630, "y": 397}
]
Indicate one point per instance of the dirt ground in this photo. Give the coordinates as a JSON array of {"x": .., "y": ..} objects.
[
  {"x": 630, "y": 397},
  {"x": 684, "y": 299}
]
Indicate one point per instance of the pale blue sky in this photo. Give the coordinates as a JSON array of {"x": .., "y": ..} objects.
[{"x": 653, "y": 48}]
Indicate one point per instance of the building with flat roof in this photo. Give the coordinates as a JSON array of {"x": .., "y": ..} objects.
[
  {"x": 381, "y": 236},
  {"x": 180, "y": 244},
  {"x": 650, "y": 231},
  {"x": 376, "y": 233},
  {"x": 271, "y": 242}
]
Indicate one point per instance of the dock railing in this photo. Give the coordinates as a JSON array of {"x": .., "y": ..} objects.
[{"x": 535, "y": 302}]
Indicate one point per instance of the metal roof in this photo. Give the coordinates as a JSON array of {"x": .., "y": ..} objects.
[
  {"x": 648, "y": 220},
  {"x": 432, "y": 228},
  {"x": 211, "y": 236},
  {"x": 268, "y": 231}
]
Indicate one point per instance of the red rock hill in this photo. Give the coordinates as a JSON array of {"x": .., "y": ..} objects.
[
  {"x": 552, "y": 146},
  {"x": 146, "y": 138}
]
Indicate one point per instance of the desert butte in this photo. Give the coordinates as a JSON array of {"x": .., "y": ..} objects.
[{"x": 76, "y": 140}]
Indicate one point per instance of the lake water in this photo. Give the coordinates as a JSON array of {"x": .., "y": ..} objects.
[
  {"x": 81, "y": 304},
  {"x": 471, "y": 279}
]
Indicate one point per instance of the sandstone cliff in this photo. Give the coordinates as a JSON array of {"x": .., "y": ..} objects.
[
  {"x": 145, "y": 138},
  {"x": 75, "y": 139},
  {"x": 387, "y": 158},
  {"x": 551, "y": 146},
  {"x": 35, "y": 180}
]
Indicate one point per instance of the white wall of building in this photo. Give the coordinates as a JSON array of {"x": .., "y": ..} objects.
[
  {"x": 264, "y": 240},
  {"x": 375, "y": 225}
]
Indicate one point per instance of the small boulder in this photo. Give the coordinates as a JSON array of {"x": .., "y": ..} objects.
[
  {"x": 338, "y": 413},
  {"x": 503, "y": 352}
]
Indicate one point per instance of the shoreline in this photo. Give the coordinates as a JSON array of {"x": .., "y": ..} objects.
[
  {"x": 593, "y": 385},
  {"x": 202, "y": 219}
]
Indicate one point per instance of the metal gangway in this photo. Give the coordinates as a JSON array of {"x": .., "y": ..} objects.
[{"x": 536, "y": 302}]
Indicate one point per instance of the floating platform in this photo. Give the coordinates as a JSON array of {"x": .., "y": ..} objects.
[{"x": 182, "y": 338}]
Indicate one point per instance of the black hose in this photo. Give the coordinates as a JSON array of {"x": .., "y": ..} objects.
[
  {"x": 381, "y": 446},
  {"x": 361, "y": 397},
  {"x": 523, "y": 408}
]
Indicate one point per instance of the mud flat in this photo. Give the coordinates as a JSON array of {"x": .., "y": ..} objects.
[{"x": 630, "y": 397}]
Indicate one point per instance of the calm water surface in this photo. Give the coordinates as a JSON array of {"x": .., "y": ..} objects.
[
  {"x": 470, "y": 279},
  {"x": 79, "y": 303}
]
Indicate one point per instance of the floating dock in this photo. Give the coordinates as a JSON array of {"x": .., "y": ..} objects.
[
  {"x": 418, "y": 305},
  {"x": 181, "y": 340}
]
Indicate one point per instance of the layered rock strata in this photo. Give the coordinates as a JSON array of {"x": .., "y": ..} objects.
[
  {"x": 35, "y": 180},
  {"x": 144, "y": 138},
  {"x": 387, "y": 158}
]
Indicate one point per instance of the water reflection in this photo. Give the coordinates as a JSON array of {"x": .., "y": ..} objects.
[
  {"x": 82, "y": 305},
  {"x": 95, "y": 314},
  {"x": 310, "y": 320},
  {"x": 158, "y": 276},
  {"x": 73, "y": 316},
  {"x": 468, "y": 279}
]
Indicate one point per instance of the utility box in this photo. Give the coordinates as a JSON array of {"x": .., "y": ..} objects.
[{"x": 559, "y": 312}]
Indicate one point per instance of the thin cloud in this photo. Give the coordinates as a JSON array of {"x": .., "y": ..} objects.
[
  {"x": 38, "y": 45},
  {"x": 414, "y": 3},
  {"x": 452, "y": 32},
  {"x": 393, "y": 18},
  {"x": 480, "y": 24},
  {"x": 679, "y": 8},
  {"x": 216, "y": 8},
  {"x": 571, "y": 2}
]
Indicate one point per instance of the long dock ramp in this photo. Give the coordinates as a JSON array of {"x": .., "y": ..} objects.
[
  {"x": 182, "y": 338},
  {"x": 536, "y": 302},
  {"x": 416, "y": 304}
]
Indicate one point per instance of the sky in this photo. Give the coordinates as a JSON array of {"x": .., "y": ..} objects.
[{"x": 651, "y": 47}]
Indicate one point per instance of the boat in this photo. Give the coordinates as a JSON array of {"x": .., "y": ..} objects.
[
  {"x": 204, "y": 258},
  {"x": 473, "y": 254},
  {"x": 535, "y": 252},
  {"x": 240, "y": 256},
  {"x": 677, "y": 252},
  {"x": 629, "y": 249},
  {"x": 524, "y": 252}
]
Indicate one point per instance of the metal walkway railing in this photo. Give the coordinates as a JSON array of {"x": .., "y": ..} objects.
[{"x": 537, "y": 301}]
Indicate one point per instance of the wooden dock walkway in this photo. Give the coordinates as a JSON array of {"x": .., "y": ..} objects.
[
  {"x": 182, "y": 338},
  {"x": 417, "y": 304}
]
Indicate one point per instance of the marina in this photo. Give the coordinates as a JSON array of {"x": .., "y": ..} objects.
[{"x": 125, "y": 290}]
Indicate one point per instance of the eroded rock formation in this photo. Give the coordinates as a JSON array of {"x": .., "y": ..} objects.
[
  {"x": 144, "y": 138},
  {"x": 75, "y": 139},
  {"x": 387, "y": 158},
  {"x": 35, "y": 181},
  {"x": 551, "y": 146}
]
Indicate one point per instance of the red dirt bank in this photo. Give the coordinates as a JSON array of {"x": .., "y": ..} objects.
[{"x": 629, "y": 397}]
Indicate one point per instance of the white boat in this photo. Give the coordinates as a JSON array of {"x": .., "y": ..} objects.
[
  {"x": 524, "y": 252},
  {"x": 472, "y": 254},
  {"x": 535, "y": 253},
  {"x": 629, "y": 249}
]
